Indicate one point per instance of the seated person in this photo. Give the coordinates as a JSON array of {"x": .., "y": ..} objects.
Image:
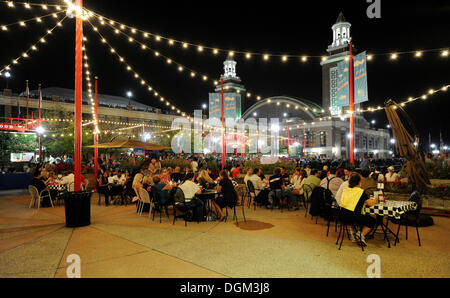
[
  {"x": 165, "y": 177},
  {"x": 163, "y": 189},
  {"x": 332, "y": 182},
  {"x": 260, "y": 191},
  {"x": 284, "y": 176},
  {"x": 103, "y": 187},
  {"x": 368, "y": 184},
  {"x": 377, "y": 176},
  {"x": 391, "y": 176},
  {"x": 313, "y": 181},
  {"x": 68, "y": 180},
  {"x": 38, "y": 182},
  {"x": 205, "y": 180},
  {"x": 276, "y": 187},
  {"x": 189, "y": 188},
  {"x": 228, "y": 196},
  {"x": 177, "y": 176},
  {"x": 353, "y": 203}
]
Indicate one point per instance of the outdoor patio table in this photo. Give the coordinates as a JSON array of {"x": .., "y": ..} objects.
[
  {"x": 56, "y": 190},
  {"x": 393, "y": 209},
  {"x": 207, "y": 196}
]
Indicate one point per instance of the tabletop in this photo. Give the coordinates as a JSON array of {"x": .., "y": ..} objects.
[{"x": 393, "y": 209}]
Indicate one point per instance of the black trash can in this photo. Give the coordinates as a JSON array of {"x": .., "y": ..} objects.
[{"x": 78, "y": 209}]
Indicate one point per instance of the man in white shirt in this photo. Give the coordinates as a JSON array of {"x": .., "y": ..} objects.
[
  {"x": 332, "y": 182},
  {"x": 68, "y": 181},
  {"x": 257, "y": 182},
  {"x": 189, "y": 188},
  {"x": 391, "y": 176}
]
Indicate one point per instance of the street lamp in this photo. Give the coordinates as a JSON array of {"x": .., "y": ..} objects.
[
  {"x": 204, "y": 106},
  {"x": 393, "y": 141},
  {"x": 129, "y": 94},
  {"x": 40, "y": 130},
  {"x": 388, "y": 126},
  {"x": 7, "y": 76}
]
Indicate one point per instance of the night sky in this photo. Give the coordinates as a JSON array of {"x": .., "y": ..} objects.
[{"x": 278, "y": 27}]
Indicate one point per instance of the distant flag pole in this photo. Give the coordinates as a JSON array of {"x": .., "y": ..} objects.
[
  {"x": 18, "y": 109},
  {"x": 28, "y": 97}
]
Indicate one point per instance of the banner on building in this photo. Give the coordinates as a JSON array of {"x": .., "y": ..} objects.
[
  {"x": 232, "y": 105},
  {"x": 360, "y": 73},
  {"x": 334, "y": 109},
  {"x": 343, "y": 88}
]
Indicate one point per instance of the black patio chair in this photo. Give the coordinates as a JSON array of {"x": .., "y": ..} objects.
[
  {"x": 307, "y": 191},
  {"x": 157, "y": 205},
  {"x": 344, "y": 224},
  {"x": 410, "y": 216}
]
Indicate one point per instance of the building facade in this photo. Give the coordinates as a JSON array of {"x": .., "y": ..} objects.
[{"x": 309, "y": 129}]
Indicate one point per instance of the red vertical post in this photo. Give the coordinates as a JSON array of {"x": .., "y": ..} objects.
[
  {"x": 28, "y": 98},
  {"x": 352, "y": 109},
  {"x": 96, "y": 137},
  {"x": 224, "y": 146},
  {"x": 39, "y": 122},
  {"x": 78, "y": 96},
  {"x": 289, "y": 142}
]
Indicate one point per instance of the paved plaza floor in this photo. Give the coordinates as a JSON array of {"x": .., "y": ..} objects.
[{"x": 119, "y": 243}]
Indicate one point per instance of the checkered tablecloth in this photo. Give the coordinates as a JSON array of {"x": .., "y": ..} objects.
[
  {"x": 393, "y": 209},
  {"x": 57, "y": 187}
]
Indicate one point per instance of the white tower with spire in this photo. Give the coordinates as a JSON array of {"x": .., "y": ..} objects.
[{"x": 341, "y": 35}]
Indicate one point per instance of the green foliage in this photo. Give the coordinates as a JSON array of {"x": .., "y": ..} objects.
[
  {"x": 16, "y": 143},
  {"x": 438, "y": 170},
  {"x": 269, "y": 168},
  {"x": 173, "y": 163}
]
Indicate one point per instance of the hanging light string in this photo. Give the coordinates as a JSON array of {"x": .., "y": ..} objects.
[
  {"x": 33, "y": 47},
  {"x": 180, "y": 67},
  {"x": 136, "y": 75},
  {"x": 407, "y": 101},
  {"x": 246, "y": 54},
  {"x": 37, "y": 19},
  {"x": 89, "y": 88},
  {"x": 29, "y": 5}
]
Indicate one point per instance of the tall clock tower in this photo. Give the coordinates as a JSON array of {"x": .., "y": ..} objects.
[{"x": 338, "y": 50}]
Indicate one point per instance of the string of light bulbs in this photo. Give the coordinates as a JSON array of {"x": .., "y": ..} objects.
[
  {"x": 89, "y": 88},
  {"x": 249, "y": 54},
  {"x": 38, "y": 19},
  {"x": 29, "y": 5},
  {"x": 407, "y": 101},
  {"x": 137, "y": 76},
  {"x": 33, "y": 47},
  {"x": 181, "y": 67}
]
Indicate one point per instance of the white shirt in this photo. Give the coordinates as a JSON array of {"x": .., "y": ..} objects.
[
  {"x": 392, "y": 178},
  {"x": 257, "y": 182},
  {"x": 112, "y": 179},
  {"x": 296, "y": 181},
  {"x": 335, "y": 183},
  {"x": 189, "y": 189},
  {"x": 380, "y": 176},
  {"x": 68, "y": 180},
  {"x": 340, "y": 191}
]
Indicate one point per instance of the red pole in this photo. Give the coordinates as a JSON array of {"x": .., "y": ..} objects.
[
  {"x": 96, "y": 137},
  {"x": 352, "y": 109},
  {"x": 78, "y": 96},
  {"x": 289, "y": 142},
  {"x": 28, "y": 98},
  {"x": 39, "y": 122},
  {"x": 224, "y": 146}
]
